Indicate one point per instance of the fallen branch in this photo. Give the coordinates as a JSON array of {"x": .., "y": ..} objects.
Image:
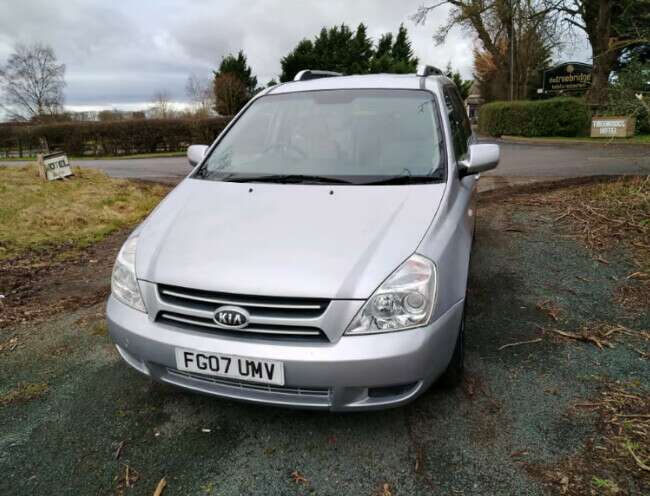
[
  {"x": 160, "y": 487},
  {"x": 519, "y": 343},
  {"x": 118, "y": 451},
  {"x": 638, "y": 461},
  {"x": 581, "y": 337}
]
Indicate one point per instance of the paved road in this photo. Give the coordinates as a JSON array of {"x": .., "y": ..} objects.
[{"x": 517, "y": 161}]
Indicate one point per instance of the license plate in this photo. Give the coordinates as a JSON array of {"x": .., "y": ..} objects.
[{"x": 233, "y": 367}]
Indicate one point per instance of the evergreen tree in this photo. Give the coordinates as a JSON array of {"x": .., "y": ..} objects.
[
  {"x": 238, "y": 67},
  {"x": 464, "y": 85},
  {"x": 361, "y": 51},
  {"x": 301, "y": 57},
  {"x": 351, "y": 52},
  {"x": 234, "y": 84},
  {"x": 384, "y": 45},
  {"x": 394, "y": 54},
  {"x": 401, "y": 50}
]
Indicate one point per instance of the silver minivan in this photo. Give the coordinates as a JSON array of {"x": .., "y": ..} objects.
[{"x": 317, "y": 255}]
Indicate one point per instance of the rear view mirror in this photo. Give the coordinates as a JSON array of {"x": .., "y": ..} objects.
[
  {"x": 481, "y": 158},
  {"x": 195, "y": 154}
]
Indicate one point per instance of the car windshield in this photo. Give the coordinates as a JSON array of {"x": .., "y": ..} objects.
[{"x": 334, "y": 136}]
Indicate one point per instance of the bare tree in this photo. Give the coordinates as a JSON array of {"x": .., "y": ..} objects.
[
  {"x": 200, "y": 95},
  {"x": 516, "y": 35},
  {"x": 161, "y": 106},
  {"x": 32, "y": 82},
  {"x": 611, "y": 26}
]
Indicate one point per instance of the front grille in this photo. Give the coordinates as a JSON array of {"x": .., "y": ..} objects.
[
  {"x": 203, "y": 323},
  {"x": 257, "y": 306},
  {"x": 249, "y": 386},
  {"x": 193, "y": 309}
]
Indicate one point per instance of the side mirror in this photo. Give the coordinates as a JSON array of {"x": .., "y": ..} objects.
[
  {"x": 195, "y": 154},
  {"x": 481, "y": 158}
]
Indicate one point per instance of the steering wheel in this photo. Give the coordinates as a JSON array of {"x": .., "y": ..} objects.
[{"x": 286, "y": 147}]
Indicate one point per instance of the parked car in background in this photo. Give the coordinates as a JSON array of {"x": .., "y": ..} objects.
[{"x": 317, "y": 255}]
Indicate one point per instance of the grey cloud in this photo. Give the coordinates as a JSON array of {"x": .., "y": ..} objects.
[{"x": 122, "y": 52}]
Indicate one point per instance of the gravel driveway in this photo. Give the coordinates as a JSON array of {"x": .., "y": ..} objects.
[{"x": 76, "y": 420}]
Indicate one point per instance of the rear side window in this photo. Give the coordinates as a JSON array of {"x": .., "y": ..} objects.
[{"x": 461, "y": 128}]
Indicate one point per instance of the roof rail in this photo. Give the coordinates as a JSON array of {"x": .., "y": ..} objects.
[
  {"x": 308, "y": 74},
  {"x": 428, "y": 70}
]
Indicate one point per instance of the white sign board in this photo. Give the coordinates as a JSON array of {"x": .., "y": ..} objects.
[
  {"x": 614, "y": 127},
  {"x": 56, "y": 166}
]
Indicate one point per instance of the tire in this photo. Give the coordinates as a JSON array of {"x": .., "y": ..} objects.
[{"x": 453, "y": 375}]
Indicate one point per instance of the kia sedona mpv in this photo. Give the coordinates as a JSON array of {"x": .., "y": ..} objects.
[{"x": 317, "y": 255}]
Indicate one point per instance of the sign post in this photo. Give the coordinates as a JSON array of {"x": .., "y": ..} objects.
[{"x": 53, "y": 166}]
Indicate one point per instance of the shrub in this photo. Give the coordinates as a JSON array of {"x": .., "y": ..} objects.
[
  {"x": 555, "y": 117},
  {"x": 112, "y": 138},
  {"x": 632, "y": 80}
]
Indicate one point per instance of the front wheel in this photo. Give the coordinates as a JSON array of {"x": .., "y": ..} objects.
[{"x": 453, "y": 375}]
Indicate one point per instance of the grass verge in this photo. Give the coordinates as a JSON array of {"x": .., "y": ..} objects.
[{"x": 36, "y": 215}]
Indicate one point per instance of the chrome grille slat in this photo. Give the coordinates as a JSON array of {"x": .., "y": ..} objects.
[
  {"x": 224, "y": 301},
  {"x": 185, "y": 320},
  {"x": 242, "y": 385},
  {"x": 269, "y": 317}
]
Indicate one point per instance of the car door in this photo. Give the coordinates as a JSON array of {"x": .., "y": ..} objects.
[{"x": 462, "y": 137}]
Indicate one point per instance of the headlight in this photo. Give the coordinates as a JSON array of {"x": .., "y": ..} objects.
[
  {"x": 124, "y": 284},
  {"x": 405, "y": 300}
]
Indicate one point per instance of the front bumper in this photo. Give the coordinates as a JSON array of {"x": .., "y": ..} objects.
[{"x": 353, "y": 373}]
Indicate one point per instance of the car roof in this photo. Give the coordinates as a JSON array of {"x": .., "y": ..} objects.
[{"x": 369, "y": 81}]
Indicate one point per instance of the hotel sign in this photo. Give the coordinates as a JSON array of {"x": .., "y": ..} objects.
[
  {"x": 612, "y": 127},
  {"x": 567, "y": 77}
]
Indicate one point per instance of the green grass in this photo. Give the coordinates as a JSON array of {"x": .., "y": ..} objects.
[
  {"x": 104, "y": 157},
  {"x": 23, "y": 393},
  {"x": 640, "y": 139},
  {"x": 605, "y": 484},
  {"x": 36, "y": 215}
]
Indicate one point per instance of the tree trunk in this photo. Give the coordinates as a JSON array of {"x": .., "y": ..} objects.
[{"x": 598, "y": 24}]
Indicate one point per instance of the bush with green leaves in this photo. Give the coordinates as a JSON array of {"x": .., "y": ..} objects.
[
  {"x": 563, "y": 116},
  {"x": 627, "y": 85}
]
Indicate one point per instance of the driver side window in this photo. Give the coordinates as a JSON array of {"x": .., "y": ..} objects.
[{"x": 461, "y": 128}]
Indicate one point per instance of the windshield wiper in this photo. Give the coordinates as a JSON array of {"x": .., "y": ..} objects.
[
  {"x": 437, "y": 176},
  {"x": 285, "y": 178}
]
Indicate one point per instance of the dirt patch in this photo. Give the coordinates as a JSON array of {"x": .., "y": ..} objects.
[
  {"x": 605, "y": 214},
  {"x": 616, "y": 460},
  {"x": 37, "y": 286},
  {"x": 634, "y": 295},
  {"x": 23, "y": 393}
]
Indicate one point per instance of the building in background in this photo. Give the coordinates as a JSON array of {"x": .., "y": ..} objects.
[{"x": 473, "y": 102}]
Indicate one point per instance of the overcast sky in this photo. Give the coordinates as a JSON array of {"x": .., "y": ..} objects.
[{"x": 118, "y": 53}]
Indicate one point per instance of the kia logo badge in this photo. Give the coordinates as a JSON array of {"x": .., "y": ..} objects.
[{"x": 231, "y": 317}]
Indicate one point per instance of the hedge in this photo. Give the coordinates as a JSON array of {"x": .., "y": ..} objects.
[
  {"x": 555, "y": 117},
  {"x": 111, "y": 138}
]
